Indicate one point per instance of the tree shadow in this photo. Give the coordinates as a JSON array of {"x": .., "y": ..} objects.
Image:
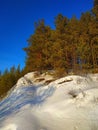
[{"x": 32, "y": 95}]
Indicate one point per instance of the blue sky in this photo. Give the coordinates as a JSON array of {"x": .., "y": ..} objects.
[{"x": 17, "y": 19}]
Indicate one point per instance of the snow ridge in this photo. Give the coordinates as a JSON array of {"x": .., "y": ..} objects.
[{"x": 39, "y": 102}]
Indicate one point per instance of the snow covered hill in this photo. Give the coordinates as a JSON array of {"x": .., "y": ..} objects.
[{"x": 39, "y": 102}]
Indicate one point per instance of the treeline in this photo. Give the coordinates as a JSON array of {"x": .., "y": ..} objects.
[
  {"x": 71, "y": 46},
  {"x": 9, "y": 78}
]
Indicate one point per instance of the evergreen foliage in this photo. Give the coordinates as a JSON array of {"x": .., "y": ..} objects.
[
  {"x": 72, "y": 45},
  {"x": 9, "y": 78}
]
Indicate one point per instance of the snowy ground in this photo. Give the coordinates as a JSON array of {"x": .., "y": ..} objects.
[{"x": 69, "y": 103}]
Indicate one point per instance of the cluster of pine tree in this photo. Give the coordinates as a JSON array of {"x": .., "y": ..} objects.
[
  {"x": 9, "y": 78},
  {"x": 72, "y": 45}
]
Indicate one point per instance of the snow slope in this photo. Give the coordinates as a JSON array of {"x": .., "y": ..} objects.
[{"x": 69, "y": 103}]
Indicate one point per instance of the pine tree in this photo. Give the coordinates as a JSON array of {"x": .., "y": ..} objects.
[
  {"x": 60, "y": 45},
  {"x": 95, "y": 10},
  {"x": 39, "y": 49}
]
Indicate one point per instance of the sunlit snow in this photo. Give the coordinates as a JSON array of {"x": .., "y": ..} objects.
[{"x": 39, "y": 103}]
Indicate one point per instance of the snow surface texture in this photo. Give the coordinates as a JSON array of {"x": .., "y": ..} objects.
[{"x": 69, "y": 103}]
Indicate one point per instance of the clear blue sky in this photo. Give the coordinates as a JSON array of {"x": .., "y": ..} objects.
[{"x": 17, "y": 19}]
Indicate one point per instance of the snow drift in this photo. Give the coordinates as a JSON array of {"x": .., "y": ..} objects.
[{"x": 39, "y": 102}]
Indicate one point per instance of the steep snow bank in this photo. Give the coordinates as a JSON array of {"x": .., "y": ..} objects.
[{"x": 69, "y": 103}]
